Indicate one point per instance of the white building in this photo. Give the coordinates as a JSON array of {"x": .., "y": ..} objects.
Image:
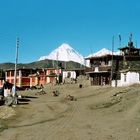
[
  {"x": 127, "y": 78},
  {"x": 69, "y": 74}
]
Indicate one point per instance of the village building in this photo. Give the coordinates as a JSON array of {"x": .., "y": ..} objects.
[
  {"x": 130, "y": 71},
  {"x": 100, "y": 71},
  {"x": 70, "y": 75},
  {"x": 22, "y": 79},
  {"x": 45, "y": 76},
  {"x": 31, "y": 77},
  {"x": 54, "y": 75},
  {"x": 116, "y": 70}
]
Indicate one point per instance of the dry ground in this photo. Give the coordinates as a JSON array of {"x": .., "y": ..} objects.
[{"x": 100, "y": 113}]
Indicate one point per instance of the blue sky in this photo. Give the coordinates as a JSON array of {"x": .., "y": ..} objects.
[{"x": 43, "y": 25}]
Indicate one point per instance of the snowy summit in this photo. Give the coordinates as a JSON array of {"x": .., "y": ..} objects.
[
  {"x": 103, "y": 52},
  {"x": 64, "y": 53}
]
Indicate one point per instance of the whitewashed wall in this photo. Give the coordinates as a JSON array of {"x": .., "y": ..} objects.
[
  {"x": 72, "y": 75},
  {"x": 131, "y": 78}
]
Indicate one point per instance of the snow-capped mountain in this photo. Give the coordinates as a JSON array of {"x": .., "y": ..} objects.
[
  {"x": 102, "y": 52},
  {"x": 64, "y": 53}
]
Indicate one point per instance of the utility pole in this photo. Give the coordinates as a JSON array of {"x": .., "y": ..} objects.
[
  {"x": 136, "y": 43},
  {"x": 65, "y": 65},
  {"x": 16, "y": 61},
  {"x": 53, "y": 63},
  {"x": 112, "y": 59},
  {"x": 120, "y": 39},
  {"x": 57, "y": 73}
]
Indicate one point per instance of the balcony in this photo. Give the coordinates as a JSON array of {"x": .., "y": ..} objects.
[{"x": 99, "y": 69}]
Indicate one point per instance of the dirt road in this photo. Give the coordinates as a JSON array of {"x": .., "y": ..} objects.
[{"x": 100, "y": 113}]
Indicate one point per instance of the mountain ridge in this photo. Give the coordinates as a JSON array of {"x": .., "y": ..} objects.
[{"x": 42, "y": 64}]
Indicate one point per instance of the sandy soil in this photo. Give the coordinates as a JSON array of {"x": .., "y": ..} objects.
[{"x": 100, "y": 113}]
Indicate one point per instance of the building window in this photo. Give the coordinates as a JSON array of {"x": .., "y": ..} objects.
[
  {"x": 51, "y": 72},
  {"x": 69, "y": 75},
  {"x": 12, "y": 73},
  {"x": 8, "y": 73},
  {"x": 124, "y": 77}
]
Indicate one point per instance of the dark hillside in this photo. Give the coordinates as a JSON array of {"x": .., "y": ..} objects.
[{"x": 43, "y": 64}]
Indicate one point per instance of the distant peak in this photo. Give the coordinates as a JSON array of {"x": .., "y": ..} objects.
[
  {"x": 64, "y": 53},
  {"x": 65, "y": 46},
  {"x": 104, "y": 49}
]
